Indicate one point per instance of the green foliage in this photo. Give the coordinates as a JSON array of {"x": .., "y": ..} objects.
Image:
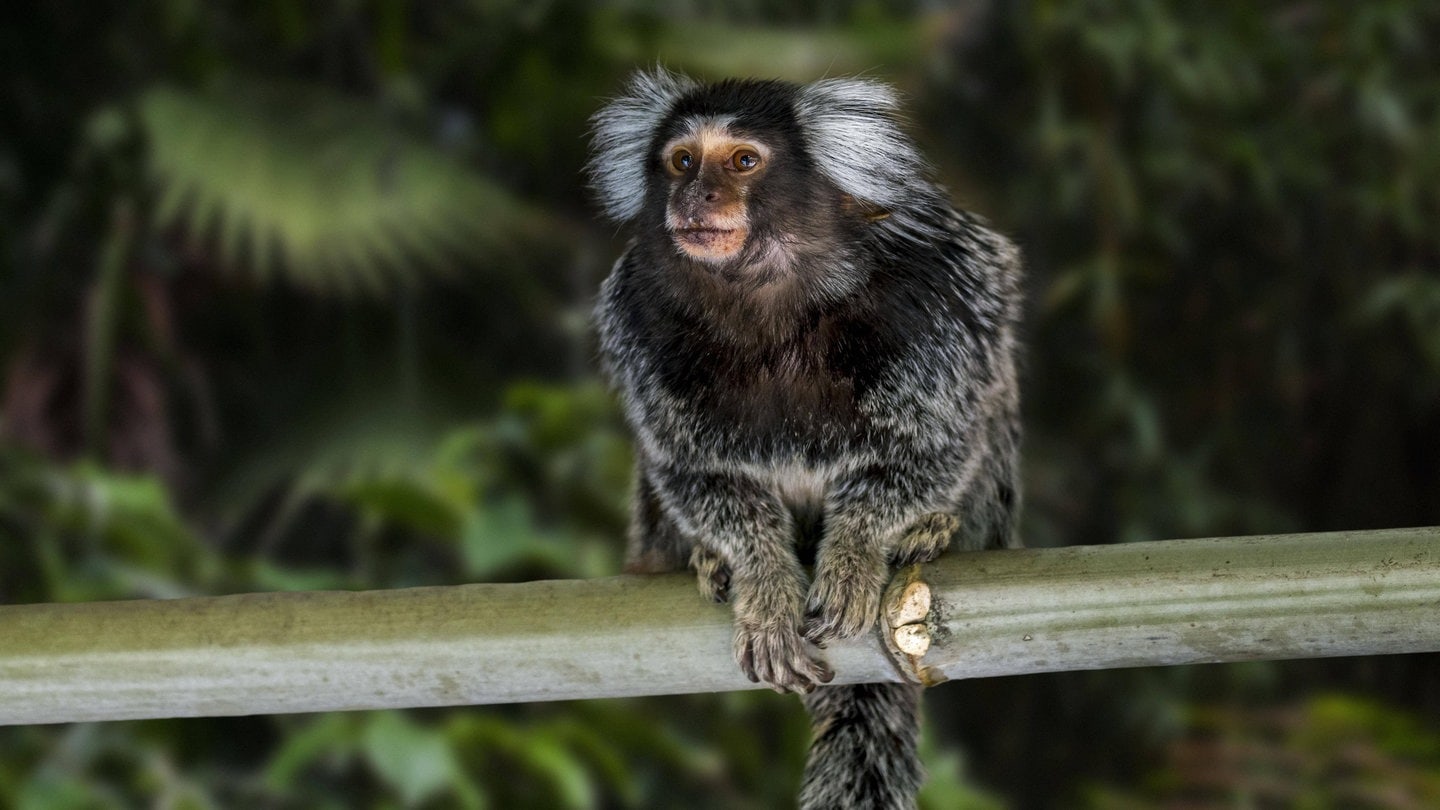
[
  {"x": 413, "y": 761},
  {"x": 522, "y": 494},
  {"x": 468, "y": 495},
  {"x": 1211, "y": 197},
  {"x": 84, "y": 533},
  {"x": 635, "y": 753},
  {"x": 1414, "y": 300},
  {"x": 947, "y": 786},
  {"x": 300, "y": 183},
  {"x": 142, "y": 768},
  {"x": 1333, "y": 751},
  {"x": 1228, "y": 211}
]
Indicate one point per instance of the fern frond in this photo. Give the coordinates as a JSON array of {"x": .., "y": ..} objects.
[{"x": 301, "y": 184}]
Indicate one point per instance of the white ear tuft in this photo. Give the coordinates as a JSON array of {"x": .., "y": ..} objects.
[
  {"x": 621, "y": 135},
  {"x": 852, "y": 128}
]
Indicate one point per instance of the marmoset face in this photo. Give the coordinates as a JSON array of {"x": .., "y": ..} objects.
[{"x": 712, "y": 174}]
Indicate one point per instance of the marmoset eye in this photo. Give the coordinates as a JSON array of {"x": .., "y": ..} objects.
[{"x": 745, "y": 160}]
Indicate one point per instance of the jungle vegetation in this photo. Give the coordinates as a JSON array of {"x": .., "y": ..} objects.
[{"x": 295, "y": 296}]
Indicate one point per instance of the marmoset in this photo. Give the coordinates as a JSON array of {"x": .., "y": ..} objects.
[{"x": 816, "y": 354}]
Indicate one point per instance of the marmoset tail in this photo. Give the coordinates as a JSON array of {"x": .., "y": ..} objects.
[{"x": 815, "y": 352}]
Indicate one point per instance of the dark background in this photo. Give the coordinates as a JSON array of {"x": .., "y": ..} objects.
[{"x": 295, "y": 295}]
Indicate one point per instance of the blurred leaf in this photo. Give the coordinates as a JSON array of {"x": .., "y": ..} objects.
[
  {"x": 135, "y": 511},
  {"x": 567, "y": 772},
  {"x": 413, "y": 760},
  {"x": 599, "y": 749},
  {"x": 523, "y": 490},
  {"x": 412, "y": 501},
  {"x": 1415, "y": 299},
  {"x": 1333, "y": 751},
  {"x": 710, "y": 48},
  {"x": 332, "y": 735},
  {"x": 294, "y": 181},
  {"x": 946, "y": 786},
  {"x": 51, "y": 791},
  {"x": 1337, "y": 721},
  {"x": 500, "y": 534},
  {"x": 946, "y": 789},
  {"x": 266, "y": 576},
  {"x": 101, "y": 534}
]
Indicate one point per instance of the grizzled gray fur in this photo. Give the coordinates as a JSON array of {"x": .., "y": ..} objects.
[{"x": 815, "y": 352}]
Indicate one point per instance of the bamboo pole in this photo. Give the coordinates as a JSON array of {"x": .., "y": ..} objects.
[
  {"x": 1182, "y": 602},
  {"x": 967, "y": 615}
]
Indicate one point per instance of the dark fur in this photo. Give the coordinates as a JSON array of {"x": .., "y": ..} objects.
[{"x": 819, "y": 406}]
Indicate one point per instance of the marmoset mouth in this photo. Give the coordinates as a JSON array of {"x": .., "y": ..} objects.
[{"x": 710, "y": 243}]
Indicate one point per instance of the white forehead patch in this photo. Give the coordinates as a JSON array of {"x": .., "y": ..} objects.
[{"x": 708, "y": 133}]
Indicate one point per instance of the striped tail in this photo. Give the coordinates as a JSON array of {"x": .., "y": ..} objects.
[{"x": 864, "y": 754}]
